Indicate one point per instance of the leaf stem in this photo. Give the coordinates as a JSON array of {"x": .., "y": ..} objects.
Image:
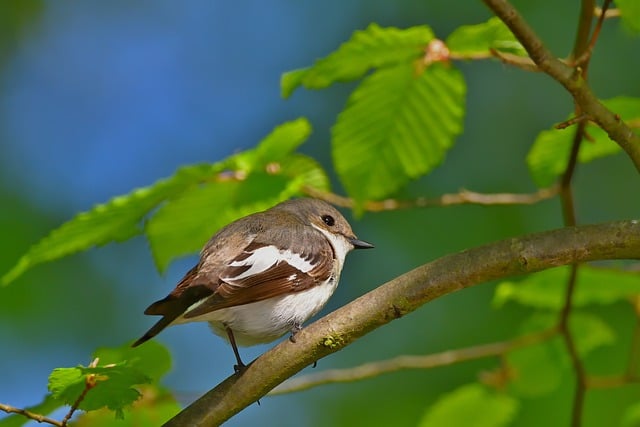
[
  {"x": 461, "y": 198},
  {"x": 89, "y": 383}
]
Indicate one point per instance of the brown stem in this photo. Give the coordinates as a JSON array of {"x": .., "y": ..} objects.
[
  {"x": 32, "y": 416},
  {"x": 89, "y": 383},
  {"x": 567, "y": 76},
  {"x": 461, "y": 198},
  {"x": 585, "y": 56},
  {"x": 446, "y": 358},
  {"x": 566, "y": 246}
]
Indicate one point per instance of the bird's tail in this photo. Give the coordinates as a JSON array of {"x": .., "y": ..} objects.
[
  {"x": 171, "y": 308},
  {"x": 155, "y": 330}
]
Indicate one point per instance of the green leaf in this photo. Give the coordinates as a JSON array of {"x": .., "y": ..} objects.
[
  {"x": 47, "y": 406},
  {"x": 537, "y": 370},
  {"x": 281, "y": 142},
  {"x": 153, "y": 413},
  {"x": 630, "y": 14},
  {"x": 373, "y": 47},
  {"x": 397, "y": 126},
  {"x": 113, "y": 386},
  {"x": 546, "y": 289},
  {"x": 590, "y": 332},
  {"x": 120, "y": 369},
  {"x": 472, "y": 404},
  {"x": 549, "y": 154},
  {"x": 631, "y": 417},
  {"x": 121, "y": 217},
  {"x": 171, "y": 233},
  {"x": 472, "y": 40},
  {"x": 151, "y": 360},
  {"x": 116, "y": 220}
]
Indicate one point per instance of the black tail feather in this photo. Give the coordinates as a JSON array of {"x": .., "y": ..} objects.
[
  {"x": 171, "y": 308},
  {"x": 155, "y": 330}
]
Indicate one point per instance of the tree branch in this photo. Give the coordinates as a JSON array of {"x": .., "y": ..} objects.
[
  {"x": 570, "y": 78},
  {"x": 32, "y": 416},
  {"x": 404, "y": 294},
  {"x": 462, "y": 198},
  {"x": 446, "y": 358}
]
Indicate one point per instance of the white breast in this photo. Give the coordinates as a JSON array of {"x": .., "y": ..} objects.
[{"x": 267, "y": 320}]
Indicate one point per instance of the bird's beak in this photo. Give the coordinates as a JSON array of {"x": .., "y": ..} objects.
[{"x": 360, "y": 244}]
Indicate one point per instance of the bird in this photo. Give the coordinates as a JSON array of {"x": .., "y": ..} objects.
[{"x": 263, "y": 275}]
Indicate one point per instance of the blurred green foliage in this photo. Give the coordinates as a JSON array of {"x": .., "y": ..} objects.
[{"x": 537, "y": 380}]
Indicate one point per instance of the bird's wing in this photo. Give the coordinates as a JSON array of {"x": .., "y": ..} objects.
[{"x": 263, "y": 270}]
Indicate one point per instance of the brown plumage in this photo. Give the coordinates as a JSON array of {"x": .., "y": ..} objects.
[{"x": 293, "y": 247}]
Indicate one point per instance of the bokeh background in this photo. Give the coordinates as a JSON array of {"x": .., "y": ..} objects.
[{"x": 97, "y": 98}]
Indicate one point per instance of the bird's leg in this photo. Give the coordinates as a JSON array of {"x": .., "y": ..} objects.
[
  {"x": 240, "y": 366},
  {"x": 297, "y": 327}
]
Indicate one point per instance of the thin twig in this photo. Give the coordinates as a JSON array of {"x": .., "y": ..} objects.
[
  {"x": 609, "y": 13},
  {"x": 463, "y": 197},
  {"x": 574, "y": 356},
  {"x": 470, "y": 56},
  {"x": 32, "y": 416},
  {"x": 89, "y": 383},
  {"x": 582, "y": 49},
  {"x": 611, "y": 381},
  {"x": 522, "y": 62},
  {"x": 567, "y": 76},
  {"x": 586, "y": 55},
  {"x": 572, "y": 121},
  {"x": 373, "y": 369}
]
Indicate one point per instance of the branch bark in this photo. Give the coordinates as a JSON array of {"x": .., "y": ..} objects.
[
  {"x": 570, "y": 78},
  {"x": 404, "y": 294}
]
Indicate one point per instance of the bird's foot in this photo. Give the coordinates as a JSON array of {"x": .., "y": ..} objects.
[{"x": 297, "y": 327}]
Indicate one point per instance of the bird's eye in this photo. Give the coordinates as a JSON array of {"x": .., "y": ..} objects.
[{"x": 328, "y": 219}]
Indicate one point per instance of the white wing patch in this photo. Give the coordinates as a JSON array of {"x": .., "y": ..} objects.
[{"x": 266, "y": 257}]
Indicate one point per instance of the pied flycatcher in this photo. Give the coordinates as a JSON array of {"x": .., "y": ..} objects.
[{"x": 263, "y": 275}]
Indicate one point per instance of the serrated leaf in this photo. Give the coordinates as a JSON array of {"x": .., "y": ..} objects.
[
  {"x": 397, "y": 126},
  {"x": 549, "y": 154},
  {"x": 184, "y": 224},
  {"x": 472, "y": 404},
  {"x": 171, "y": 233},
  {"x": 373, "y": 47},
  {"x": 113, "y": 386},
  {"x": 116, "y": 220},
  {"x": 151, "y": 360},
  {"x": 280, "y": 142},
  {"x": 120, "y": 218},
  {"x": 630, "y": 14},
  {"x": 546, "y": 289},
  {"x": 472, "y": 40}
]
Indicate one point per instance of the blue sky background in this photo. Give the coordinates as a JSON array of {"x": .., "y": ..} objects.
[{"x": 97, "y": 98}]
